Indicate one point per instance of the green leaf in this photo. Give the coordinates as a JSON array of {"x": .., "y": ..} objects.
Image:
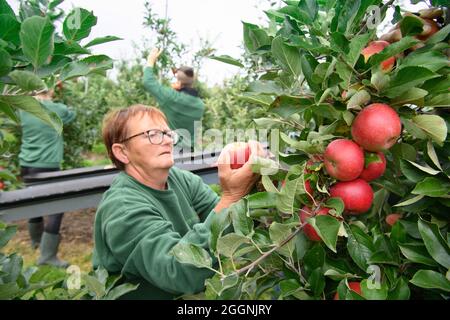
[
  {"x": 73, "y": 70},
  {"x": 6, "y": 9},
  {"x": 413, "y": 95},
  {"x": 31, "y": 105},
  {"x": 314, "y": 258},
  {"x": 26, "y": 80},
  {"x": 429, "y": 279},
  {"x": 310, "y": 7},
  {"x": 259, "y": 99},
  {"x": 268, "y": 185},
  {"x": 401, "y": 291},
  {"x": 5, "y": 62},
  {"x": 289, "y": 57},
  {"x": 439, "y": 101},
  {"x": 120, "y": 290},
  {"x": 317, "y": 281},
  {"x": 261, "y": 200},
  {"x": 101, "y": 40},
  {"x": 374, "y": 291},
  {"x": 439, "y": 36},
  {"x": 432, "y": 60},
  {"x": 243, "y": 225},
  {"x": 69, "y": 47},
  {"x": 308, "y": 65},
  {"x": 36, "y": 36},
  {"x": 7, "y": 175},
  {"x": 359, "y": 246},
  {"x": 433, "y": 156},
  {"x": 434, "y": 126},
  {"x": 403, "y": 81},
  {"x": 98, "y": 63},
  {"x": 413, "y": 129},
  {"x": 78, "y": 24},
  {"x": 9, "y": 29},
  {"x": 327, "y": 228},
  {"x": 191, "y": 254},
  {"x": 411, "y": 25},
  {"x": 424, "y": 169},
  {"x": 435, "y": 243},
  {"x": 6, "y": 233},
  {"x": 53, "y": 4},
  {"x": 227, "y": 59},
  {"x": 280, "y": 232},
  {"x": 432, "y": 187},
  {"x": 228, "y": 244},
  {"x": 94, "y": 285},
  {"x": 417, "y": 254},
  {"x": 344, "y": 72},
  {"x": 220, "y": 222},
  {"x": 255, "y": 38},
  {"x": 393, "y": 49},
  {"x": 337, "y": 204},
  {"x": 357, "y": 44}
]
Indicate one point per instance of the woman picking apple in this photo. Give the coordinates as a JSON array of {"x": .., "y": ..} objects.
[{"x": 152, "y": 206}]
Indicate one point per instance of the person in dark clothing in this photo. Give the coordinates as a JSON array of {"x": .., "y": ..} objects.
[{"x": 42, "y": 151}]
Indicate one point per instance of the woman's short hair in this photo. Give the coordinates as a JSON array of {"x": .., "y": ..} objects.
[{"x": 115, "y": 126}]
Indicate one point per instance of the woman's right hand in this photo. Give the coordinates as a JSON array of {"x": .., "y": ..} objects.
[{"x": 239, "y": 182}]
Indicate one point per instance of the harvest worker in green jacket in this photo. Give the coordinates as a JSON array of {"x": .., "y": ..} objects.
[
  {"x": 42, "y": 151},
  {"x": 181, "y": 103},
  {"x": 152, "y": 206}
]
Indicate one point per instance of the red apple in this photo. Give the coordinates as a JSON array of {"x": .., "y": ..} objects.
[
  {"x": 375, "y": 47},
  {"x": 2, "y": 185},
  {"x": 392, "y": 218},
  {"x": 239, "y": 154},
  {"x": 355, "y": 286},
  {"x": 357, "y": 195},
  {"x": 344, "y": 159},
  {"x": 375, "y": 165},
  {"x": 308, "y": 229},
  {"x": 377, "y": 127}
]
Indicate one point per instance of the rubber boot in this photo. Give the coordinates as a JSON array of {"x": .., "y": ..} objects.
[
  {"x": 35, "y": 229},
  {"x": 49, "y": 249}
]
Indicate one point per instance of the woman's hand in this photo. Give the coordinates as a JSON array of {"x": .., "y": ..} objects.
[
  {"x": 153, "y": 57},
  {"x": 239, "y": 182}
]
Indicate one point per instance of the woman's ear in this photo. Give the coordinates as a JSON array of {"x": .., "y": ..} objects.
[{"x": 120, "y": 153}]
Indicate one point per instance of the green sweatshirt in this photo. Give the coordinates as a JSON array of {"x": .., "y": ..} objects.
[
  {"x": 181, "y": 109},
  {"x": 136, "y": 227},
  {"x": 42, "y": 146}
]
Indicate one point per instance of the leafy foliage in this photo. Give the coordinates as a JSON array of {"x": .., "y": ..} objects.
[{"x": 312, "y": 83}]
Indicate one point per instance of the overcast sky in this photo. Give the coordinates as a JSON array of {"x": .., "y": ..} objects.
[{"x": 220, "y": 21}]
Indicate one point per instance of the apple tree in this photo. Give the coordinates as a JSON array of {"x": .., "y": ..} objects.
[
  {"x": 41, "y": 47},
  {"x": 357, "y": 205}
]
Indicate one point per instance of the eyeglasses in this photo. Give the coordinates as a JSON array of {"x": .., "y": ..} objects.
[{"x": 156, "y": 136}]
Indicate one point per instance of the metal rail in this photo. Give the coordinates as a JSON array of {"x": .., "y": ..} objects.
[{"x": 69, "y": 190}]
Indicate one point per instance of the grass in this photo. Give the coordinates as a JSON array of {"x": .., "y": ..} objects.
[{"x": 78, "y": 254}]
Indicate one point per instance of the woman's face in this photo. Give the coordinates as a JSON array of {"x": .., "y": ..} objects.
[{"x": 141, "y": 152}]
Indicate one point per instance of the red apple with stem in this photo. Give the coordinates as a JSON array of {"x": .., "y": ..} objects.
[{"x": 377, "y": 127}]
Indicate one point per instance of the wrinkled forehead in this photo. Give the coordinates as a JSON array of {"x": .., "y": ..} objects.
[{"x": 146, "y": 121}]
